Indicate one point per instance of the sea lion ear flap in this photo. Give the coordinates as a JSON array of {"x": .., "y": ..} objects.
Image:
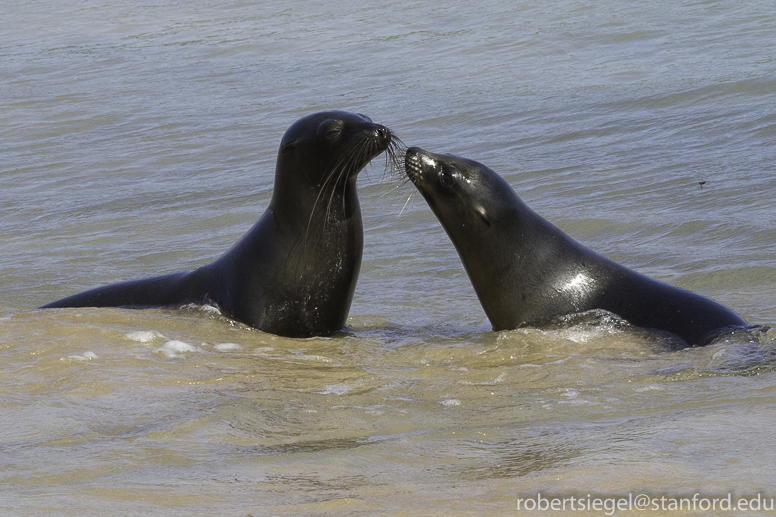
[{"x": 483, "y": 213}]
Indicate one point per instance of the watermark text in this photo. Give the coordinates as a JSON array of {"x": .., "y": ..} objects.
[{"x": 608, "y": 505}]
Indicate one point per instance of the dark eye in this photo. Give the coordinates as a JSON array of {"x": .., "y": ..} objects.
[
  {"x": 333, "y": 133},
  {"x": 446, "y": 178}
]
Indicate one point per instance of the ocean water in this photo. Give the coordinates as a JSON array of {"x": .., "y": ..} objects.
[{"x": 141, "y": 139}]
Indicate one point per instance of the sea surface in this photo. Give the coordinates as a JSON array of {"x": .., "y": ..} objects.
[{"x": 139, "y": 138}]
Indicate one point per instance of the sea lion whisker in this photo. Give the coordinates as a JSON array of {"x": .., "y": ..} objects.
[
  {"x": 363, "y": 153},
  {"x": 347, "y": 162},
  {"x": 338, "y": 160},
  {"x": 351, "y": 158},
  {"x": 394, "y": 188},
  {"x": 405, "y": 204},
  {"x": 395, "y": 156}
]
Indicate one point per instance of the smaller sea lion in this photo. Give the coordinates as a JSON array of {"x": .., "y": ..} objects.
[{"x": 526, "y": 271}]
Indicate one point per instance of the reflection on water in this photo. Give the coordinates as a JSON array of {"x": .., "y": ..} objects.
[{"x": 141, "y": 140}]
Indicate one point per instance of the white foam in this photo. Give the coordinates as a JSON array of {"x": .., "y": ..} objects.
[
  {"x": 451, "y": 402},
  {"x": 336, "y": 389},
  {"x": 175, "y": 348},
  {"x": 144, "y": 336},
  {"x": 313, "y": 357},
  {"x": 225, "y": 347},
  {"x": 211, "y": 309},
  {"x": 86, "y": 356},
  {"x": 651, "y": 387}
]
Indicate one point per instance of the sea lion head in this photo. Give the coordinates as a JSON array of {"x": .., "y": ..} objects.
[
  {"x": 466, "y": 196},
  {"x": 330, "y": 147}
]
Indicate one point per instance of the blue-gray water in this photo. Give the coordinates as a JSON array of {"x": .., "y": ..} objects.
[{"x": 141, "y": 139}]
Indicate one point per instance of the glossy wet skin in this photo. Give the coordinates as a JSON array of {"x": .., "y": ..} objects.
[
  {"x": 526, "y": 271},
  {"x": 293, "y": 273}
]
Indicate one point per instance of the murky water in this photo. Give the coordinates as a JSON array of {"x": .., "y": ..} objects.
[{"x": 140, "y": 140}]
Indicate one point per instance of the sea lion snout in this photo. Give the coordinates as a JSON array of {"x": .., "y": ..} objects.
[{"x": 383, "y": 133}]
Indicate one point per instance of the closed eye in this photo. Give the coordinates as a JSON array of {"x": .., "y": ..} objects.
[
  {"x": 446, "y": 178},
  {"x": 330, "y": 128},
  {"x": 290, "y": 146}
]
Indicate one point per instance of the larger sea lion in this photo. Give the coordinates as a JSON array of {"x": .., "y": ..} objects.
[
  {"x": 293, "y": 273},
  {"x": 526, "y": 271}
]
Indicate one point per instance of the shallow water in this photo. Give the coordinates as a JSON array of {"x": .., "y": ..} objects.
[{"x": 140, "y": 140}]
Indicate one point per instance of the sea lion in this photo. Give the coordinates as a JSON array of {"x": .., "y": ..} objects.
[
  {"x": 526, "y": 271},
  {"x": 293, "y": 274}
]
